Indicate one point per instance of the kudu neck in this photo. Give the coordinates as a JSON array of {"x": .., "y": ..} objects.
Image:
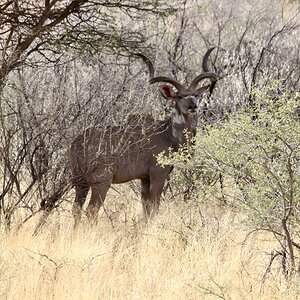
[{"x": 180, "y": 128}]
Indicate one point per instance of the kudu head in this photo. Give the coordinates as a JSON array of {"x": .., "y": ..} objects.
[{"x": 184, "y": 99}]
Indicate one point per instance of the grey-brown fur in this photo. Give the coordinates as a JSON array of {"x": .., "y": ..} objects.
[{"x": 102, "y": 156}]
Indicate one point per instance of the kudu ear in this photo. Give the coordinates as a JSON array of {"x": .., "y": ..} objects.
[
  {"x": 167, "y": 92},
  {"x": 203, "y": 89}
]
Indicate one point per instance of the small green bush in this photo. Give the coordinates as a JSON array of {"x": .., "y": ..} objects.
[{"x": 257, "y": 151}]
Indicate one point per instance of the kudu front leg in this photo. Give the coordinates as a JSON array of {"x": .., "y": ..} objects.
[
  {"x": 151, "y": 204},
  {"x": 145, "y": 188}
]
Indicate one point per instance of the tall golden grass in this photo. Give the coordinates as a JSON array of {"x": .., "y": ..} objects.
[{"x": 187, "y": 251}]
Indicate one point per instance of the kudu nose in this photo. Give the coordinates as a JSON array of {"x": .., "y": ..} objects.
[{"x": 192, "y": 108}]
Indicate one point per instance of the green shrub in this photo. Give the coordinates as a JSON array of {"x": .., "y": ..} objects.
[{"x": 257, "y": 151}]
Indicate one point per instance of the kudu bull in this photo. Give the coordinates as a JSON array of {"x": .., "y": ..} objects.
[{"x": 102, "y": 156}]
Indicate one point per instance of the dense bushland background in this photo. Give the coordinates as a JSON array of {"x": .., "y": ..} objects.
[{"x": 230, "y": 208}]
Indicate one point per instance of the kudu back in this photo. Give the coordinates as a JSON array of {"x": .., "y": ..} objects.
[{"x": 100, "y": 157}]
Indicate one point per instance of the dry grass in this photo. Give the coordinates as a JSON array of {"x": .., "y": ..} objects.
[{"x": 184, "y": 253}]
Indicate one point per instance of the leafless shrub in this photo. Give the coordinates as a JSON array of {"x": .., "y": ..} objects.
[
  {"x": 42, "y": 111},
  {"x": 43, "y": 108}
]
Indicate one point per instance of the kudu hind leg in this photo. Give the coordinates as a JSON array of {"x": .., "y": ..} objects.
[
  {"x": 81, "y": 191},
  {"x": 99, "y": 192}
]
